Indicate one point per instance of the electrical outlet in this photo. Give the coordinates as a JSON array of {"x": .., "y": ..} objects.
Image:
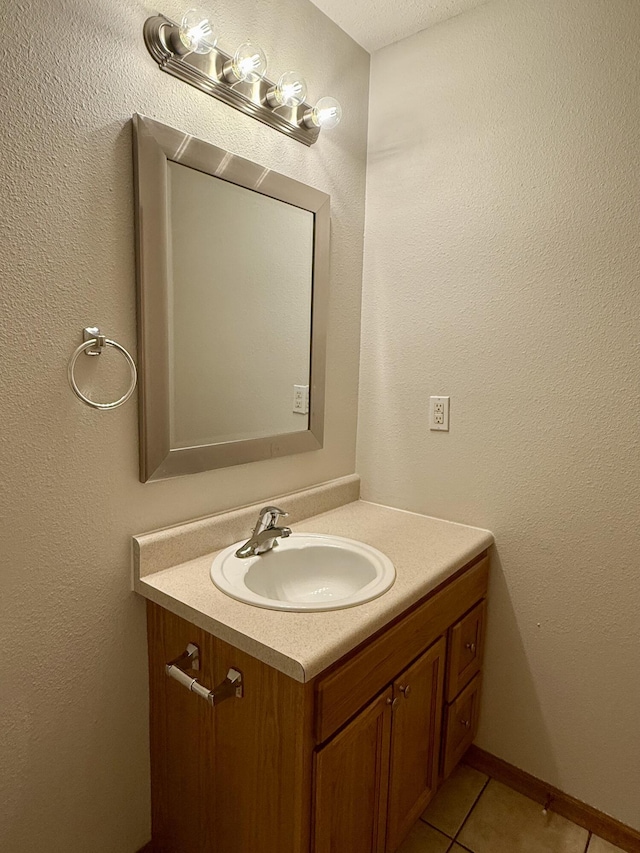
[
  {"x": 301, "y": 399},
  {"x": 439, "y": 413}
]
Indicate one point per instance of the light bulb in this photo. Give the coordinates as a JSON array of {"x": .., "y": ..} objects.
[
  {"x": 327, "y": 113},
  {"x": 289, "y": 91},
  {"x": 249, "y": 64},
  {"x": 196, "y": 32}
]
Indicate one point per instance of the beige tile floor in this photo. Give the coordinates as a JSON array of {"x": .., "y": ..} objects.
[{"x": 472, "y": 813}]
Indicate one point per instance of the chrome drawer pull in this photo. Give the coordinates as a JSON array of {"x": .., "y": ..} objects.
[{"x": 231, "y": 687}]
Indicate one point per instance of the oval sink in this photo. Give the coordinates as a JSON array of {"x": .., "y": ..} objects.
[{"x": 306, "y": 571}]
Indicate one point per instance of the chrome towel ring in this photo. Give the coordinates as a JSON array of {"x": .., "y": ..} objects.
[{"x": 93, "y": 344}]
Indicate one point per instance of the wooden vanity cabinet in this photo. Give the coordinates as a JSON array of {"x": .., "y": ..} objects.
[
  {"x": 345, "y": 763},
  {"x": 230, "y": 779},
  {"x": 461, "y": 724},
  {"x": 464, "y": 659},
  {"x": 466, "y": 647},
  {"x": 415, "y": 741},
  {"x": 381, "y": 770},
  {"x": 351, "y": 776}
]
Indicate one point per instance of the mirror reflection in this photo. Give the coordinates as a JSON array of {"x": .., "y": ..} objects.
[{"x": 240, "y": 296}]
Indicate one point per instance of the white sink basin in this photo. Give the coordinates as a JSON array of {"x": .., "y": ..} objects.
[{"x": 306, "y": 571}]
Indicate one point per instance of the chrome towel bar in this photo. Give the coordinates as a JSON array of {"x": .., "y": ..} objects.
[{"x": 231, "y": 688}]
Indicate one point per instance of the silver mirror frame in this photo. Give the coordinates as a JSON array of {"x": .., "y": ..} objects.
[{"x": 154, "y": 144}]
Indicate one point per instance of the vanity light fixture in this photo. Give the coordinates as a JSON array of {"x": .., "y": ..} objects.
[{"x": 189, "y": 51}]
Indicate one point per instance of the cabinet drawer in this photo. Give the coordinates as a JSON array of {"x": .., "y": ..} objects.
[
  {"x": 466, "y": 642},
  {"x": 461, "y": 725},
  {"x": 350, "y": 685}
]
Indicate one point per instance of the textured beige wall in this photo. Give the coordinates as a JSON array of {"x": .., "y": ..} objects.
[
  {"x": 502, "y": 268},
  {"x": 73, "y": 697}
]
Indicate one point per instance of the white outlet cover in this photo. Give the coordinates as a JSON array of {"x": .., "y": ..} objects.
[
  {"x": 301, "y": 399},
  {"x": 439, "y": 414}
]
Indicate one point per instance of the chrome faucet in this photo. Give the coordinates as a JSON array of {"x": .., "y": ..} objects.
[{"x": 265, "y": 533}]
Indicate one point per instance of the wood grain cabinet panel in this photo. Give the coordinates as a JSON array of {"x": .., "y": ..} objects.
[
  {"x": 234, "y": 778},
  {"x": 350, "y": 684},
  {"x": 466, "y": 647},
  {"x": 461, "y": 725},
  {"x": 415, "y": 742},
  {"x": 351, "y": 783},
  {"x": 182, "y": 768}
]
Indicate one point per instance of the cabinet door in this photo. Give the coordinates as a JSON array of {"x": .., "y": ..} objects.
[
  {"x": 351, "y": 784},
  {"x": 415, "y": 741}
]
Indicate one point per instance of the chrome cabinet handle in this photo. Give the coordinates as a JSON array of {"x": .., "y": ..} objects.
[
  {"x": 471, "y": 647},
  {"x": 405, "y": 689}
]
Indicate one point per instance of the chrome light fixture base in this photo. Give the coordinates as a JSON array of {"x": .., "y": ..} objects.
[{"x": 206, "y": 72}]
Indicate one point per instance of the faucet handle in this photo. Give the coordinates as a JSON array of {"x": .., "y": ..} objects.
[
  {"x": 264, "y": 533},
  {"x": 269, "y": 517},
  {"x": 274, "y": 509}
]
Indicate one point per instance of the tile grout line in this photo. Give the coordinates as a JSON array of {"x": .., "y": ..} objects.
[
  {"x": 473, "y": 805},
  {"x": 455, "y": 839},
  {"x": 431, "y": 826},
  {"x": 439, "y": 831},
  {"x": 471, "y": 810},
  {"x": 461, "y": 846}
]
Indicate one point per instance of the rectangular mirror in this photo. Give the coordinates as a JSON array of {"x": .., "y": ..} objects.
[{"x": 233, "y": 268}]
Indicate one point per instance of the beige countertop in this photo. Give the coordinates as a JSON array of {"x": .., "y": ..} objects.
[{"x": 425, "y": 552}]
